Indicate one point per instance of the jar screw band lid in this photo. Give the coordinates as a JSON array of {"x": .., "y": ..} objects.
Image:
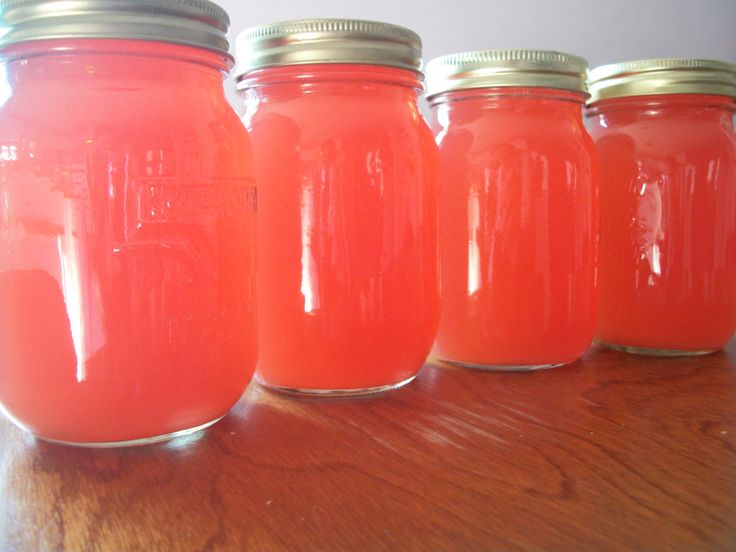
[
  {"x": 304, "y": 41},
  {"x": 662, "y": 76},
  {"x": 198, "y": 23},
  {"x": 503, "y": 68}
]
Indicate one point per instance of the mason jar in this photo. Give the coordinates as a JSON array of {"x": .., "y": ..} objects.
[
  {"x": 518, "y": 216},
  {"x": 126, "y": 221},
  {"x": 664, "y": 130},
  {"x": 347, "y": 172}
]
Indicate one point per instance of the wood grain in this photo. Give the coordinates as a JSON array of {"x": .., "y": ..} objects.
[{"x": 615, "y": 452}]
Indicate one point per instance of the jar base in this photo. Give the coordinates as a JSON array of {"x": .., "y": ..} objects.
[
  {"x": 502, "y": 367},
  {"x": 132, "y": 442},
  {"x": 653, "y": 352},
  {"x": 334, "y": 393}
]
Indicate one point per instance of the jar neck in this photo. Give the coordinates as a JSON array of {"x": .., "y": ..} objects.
[
  {"x": 541, "y": 103},
  {"x": 505, "y": 93},
  {"x": 91, "y": 59},
  {"x": 332, "y": 78},
  {"x": 702, "y": 106}
]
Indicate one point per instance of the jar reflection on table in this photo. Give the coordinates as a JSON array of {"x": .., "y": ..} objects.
[
  {"x": 126, "y": 270},
  {"x": 347, "y": 240},
  {"x": 518, "y": 211},
  {"x": 668, "y": 196}
]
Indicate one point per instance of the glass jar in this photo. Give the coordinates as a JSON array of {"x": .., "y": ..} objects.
[
  {"x": 664, "y": 130},
  {"x": 126, "y": 207},
  {"x": 518, "y": 217},
  {"x": 347, "y": 224}
]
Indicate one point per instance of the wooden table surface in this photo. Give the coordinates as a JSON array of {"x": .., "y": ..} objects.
[{"x": 616, "y": 452}]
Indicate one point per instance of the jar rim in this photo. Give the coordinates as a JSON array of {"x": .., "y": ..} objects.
[
  {"x": 505, "y": 92},
  {"x": 24, "y": 51},
  {"x": 309, "y": 74}
]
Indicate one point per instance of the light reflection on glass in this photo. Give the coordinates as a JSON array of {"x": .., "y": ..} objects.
[
  {"x": 650, "y": 225},
  {"x": 309, "y": 284},
  {"x": 443, "y": 123},
  {"x": 473, "y": 246},
  {"x": 72, "y": 288},
  {"x": 5, "y": 90},
  {"x": 80, "y": 297}
]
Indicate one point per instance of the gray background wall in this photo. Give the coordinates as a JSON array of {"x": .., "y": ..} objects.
[{"x": 602, "y": 31}]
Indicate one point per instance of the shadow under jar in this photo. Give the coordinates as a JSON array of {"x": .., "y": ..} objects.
[
  {"x": 126, "y": 216},
  {"x": 518, "y": 217},
  {"x": 347, "y": 171},
  {"x": 664, "y": 129}
]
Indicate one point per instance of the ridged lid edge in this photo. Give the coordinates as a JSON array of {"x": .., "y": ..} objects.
[
  {"x": 503, "y": 68},
  {"x": 303, "y": 41},
  {"x": 662, "y": 76},
  {"x": 197, "y": 23}
]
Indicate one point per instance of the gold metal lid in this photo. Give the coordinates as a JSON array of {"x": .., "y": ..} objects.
[
  {"x": 198, "y": 23},
  {"x": 501, "y": 68},
  {"x": 662, "y": 76},
  {"x": 327, "y": 41}
]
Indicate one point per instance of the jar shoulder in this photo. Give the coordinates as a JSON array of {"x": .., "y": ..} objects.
[
  {"x": 339, "y": 123},
  {"x": 665, "y": 136},
  {"x": 188, "y": 129},
  {"x": 507, "y": 135}
]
